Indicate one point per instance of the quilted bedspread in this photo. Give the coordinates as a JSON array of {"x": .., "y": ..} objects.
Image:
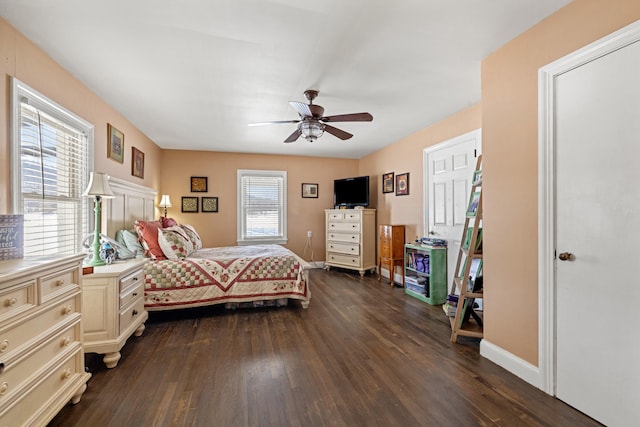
[{"x": 226, "y": 274}]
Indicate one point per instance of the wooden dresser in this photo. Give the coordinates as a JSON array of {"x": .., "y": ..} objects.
[
  {"x": 391, "y": 241},
  {"x": 351, "y": 239},
  {"x": 113, "y": 300},
  {"x": 41, "y": 355}
]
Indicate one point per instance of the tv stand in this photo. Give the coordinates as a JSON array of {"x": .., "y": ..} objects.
[{"x": 351, "y": 239}]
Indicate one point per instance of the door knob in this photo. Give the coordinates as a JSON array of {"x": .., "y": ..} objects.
[
  {"x": 566, "y": 256},
  {"x": 432, "y": 233}
]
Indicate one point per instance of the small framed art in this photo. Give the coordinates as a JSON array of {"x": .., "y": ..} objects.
[
  {"x": 115, "y": 144},
  {"x": 477, "y": 178},
  {"x": 387, "y": 182},
  {"x": 310, "y": 191},
  {"x": 209, "y": 204},
  {"x": 137, "y": 162},
  {"x": 402, "y": 184},
  {"x": 474, "y": 201},
  {"x": 190, "y": 204},
  {"x": 199, "y": 184}
]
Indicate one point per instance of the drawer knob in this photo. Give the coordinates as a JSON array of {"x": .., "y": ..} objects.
[
  {"x": 60, "y": 282},
  {"x": 4, "y": 345},
  {"x": 10, "y": 301},
  {"x": 68, "y": 309},
  {"x": 134, "y": 313},
  {"x": 135, "y": 278},
  {"x": 135, "y": 294},
  {"x": 66, "y": 341},
  {"x": 3, "y": 388},
  {"x": 66, "y": 374}
]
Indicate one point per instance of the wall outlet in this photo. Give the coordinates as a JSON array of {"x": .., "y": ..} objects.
[{"x": 309, "y": 234}]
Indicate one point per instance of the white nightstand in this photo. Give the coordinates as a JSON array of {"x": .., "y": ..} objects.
[{"x": 113, "y": 308}]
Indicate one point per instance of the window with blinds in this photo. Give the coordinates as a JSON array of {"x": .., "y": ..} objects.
[
  {"x": 51, "y": 161},
  {"x": 262, "y": 207}
]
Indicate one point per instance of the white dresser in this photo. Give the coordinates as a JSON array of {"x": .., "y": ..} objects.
[
  {"x": 113, "y": 305},
  {"x": 41, "y": 356},
  {"x": 351, "y": 239}
]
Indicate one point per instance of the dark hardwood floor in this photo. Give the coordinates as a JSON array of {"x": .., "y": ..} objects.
[{"x": 362, "y": 354}]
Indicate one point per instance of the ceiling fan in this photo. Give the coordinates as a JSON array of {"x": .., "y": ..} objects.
[{"x": 312, "y": 124}]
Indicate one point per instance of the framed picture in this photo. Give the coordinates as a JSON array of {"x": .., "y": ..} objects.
[
  {"x": 402, "y": 184},
  {"x": 199, "y": 184},
  {"x": 477, "y": 177},
  {"x": 474, "y": 200},
  {"x": 209, "y": 204},
  {"x": 387, "y": 182},
  {"x": 115, "y": 144},
  {"x": 310, "y": 191},
  {"x": 190, "y": 204},
  {"x": 137, "y": 162}
]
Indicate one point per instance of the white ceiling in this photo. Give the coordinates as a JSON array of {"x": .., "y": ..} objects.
[{"x": 191, "y": 74}]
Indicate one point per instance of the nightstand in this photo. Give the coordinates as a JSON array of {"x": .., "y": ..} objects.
[{"x": 113, "y": 308}]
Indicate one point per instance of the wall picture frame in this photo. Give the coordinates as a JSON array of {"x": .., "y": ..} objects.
[
  {"x": 309, "y": 191},
  {"x": 115, "y": 144},
  {"x": 387, "y": 182},
  {"x": 199, "y": 184},
  {"x": 137, "y": 163},
  {"x": 189, "y": 204},
  {"x": 402, "y": 184},
  {"x": 474, "y": 201},
  {"x": 209, "y": 204},
  {"x": 477, "y": 177}
]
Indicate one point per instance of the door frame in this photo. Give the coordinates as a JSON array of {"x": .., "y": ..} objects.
[{"x": 547, "y": 195}]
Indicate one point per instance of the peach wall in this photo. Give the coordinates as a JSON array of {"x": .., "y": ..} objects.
[
  {"x": 406, "y": 156},
  {"x": 22, "y": 59},
  {"x": 510, "y": 144},
  {"x": 219, "y": 229}
]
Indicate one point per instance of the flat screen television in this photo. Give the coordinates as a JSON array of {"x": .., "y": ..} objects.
[{"x": 351, "y": 192}]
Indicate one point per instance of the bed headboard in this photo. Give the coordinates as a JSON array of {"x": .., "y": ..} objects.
[{"x": 131, "y": 202}]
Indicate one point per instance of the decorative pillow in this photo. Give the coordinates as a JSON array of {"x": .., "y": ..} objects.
[
  {"x": 168, "y": 222},
  {"x": 148, "y": 233},
  {"x": 129, "y": 239},
  {"x": 174, "y": 242},
  {"x": 193, "y": 236}
]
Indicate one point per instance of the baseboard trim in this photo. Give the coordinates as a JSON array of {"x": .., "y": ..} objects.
[
  {"x": 397, "y": 278},
  {"x": 517, "y": 366},
  {"x": 316, "y": 264}
]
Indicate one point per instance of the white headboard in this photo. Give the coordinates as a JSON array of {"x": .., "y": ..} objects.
[{"x": 131, "y": 202}]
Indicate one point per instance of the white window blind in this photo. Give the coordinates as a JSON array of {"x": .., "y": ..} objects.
[
  {"x": 51, "y": 164},
  {"x": 262, "y": 206}
]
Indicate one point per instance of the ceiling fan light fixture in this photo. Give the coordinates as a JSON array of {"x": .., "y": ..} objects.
[{"x": 311, "y": 130}]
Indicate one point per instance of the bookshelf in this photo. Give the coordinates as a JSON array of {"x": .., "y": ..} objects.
[
  {"x": 467, "y": 286},
  {"x": 425, "y": 273}
]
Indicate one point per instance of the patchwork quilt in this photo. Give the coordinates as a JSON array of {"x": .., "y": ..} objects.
[{"x": 233, "y": 274}]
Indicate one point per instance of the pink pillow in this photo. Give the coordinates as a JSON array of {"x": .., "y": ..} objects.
[
  {"x": 148, "y": 234},
  {"x": 168, "y": 222}
]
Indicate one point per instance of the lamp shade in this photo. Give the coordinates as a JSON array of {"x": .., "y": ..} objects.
[
  {"x": 99, "y": 186},
  {"x": 311, "y": 130},
  {"x": 165, "y": 202}
]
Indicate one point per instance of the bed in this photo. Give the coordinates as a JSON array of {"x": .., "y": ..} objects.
[{"x": 181, "y": 273}]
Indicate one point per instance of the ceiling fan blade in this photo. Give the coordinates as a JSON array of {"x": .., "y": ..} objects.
[
  {"x": 355, "y": 117},
  {"x": 339, "y": 133},
  {"x": 302, "y": 108},
  {"x": 294, "y": 136},
  {"x": 274, "y": 123}
]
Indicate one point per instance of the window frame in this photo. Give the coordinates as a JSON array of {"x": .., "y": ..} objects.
[
  {"x": 19, "y": 91},
  {"x": 242, "y": 238}
]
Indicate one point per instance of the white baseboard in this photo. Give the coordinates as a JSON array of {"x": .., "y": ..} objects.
[
  {"x": 510, "y": 362},
  {"x": 317, "y": 264},
  {"x": 397, "y": 278}
]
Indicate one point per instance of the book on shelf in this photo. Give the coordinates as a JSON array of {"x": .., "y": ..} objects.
[
  {"x": 418, "y": 289},
  {"x": 416, "y": 280}
]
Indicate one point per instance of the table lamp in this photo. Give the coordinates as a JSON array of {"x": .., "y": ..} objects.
[
  {"x": 165, "y": 203},
  {"x": 98, "y": 188}
]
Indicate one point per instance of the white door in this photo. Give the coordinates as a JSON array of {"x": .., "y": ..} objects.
[
  {"x": 449, "y": 168},
  {"x": 598, "y": 205}
]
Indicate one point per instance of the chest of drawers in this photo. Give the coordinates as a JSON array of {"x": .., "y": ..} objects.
[
  {"x": 351, "y": 239},
  {"x": 41, "y": 354},
  {"x": 113, "y": 301}
]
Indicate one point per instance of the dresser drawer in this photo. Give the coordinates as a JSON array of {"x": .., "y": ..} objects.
[
  {"x": 352, "y": 216},
  {"x": 132, "y": 293},
  {"x": 344, "y": 259},
  {"x": 17, "y": 299},
  {"x": 343, "y": 237},
  {"x": 132, "y": 279},
  {"x": 14, "y": 376},
  {"x": 130, "y": 314},
  {"x": 344, "y": 226},
  {"x": 335, "y": 216},
  {"x": 13, "y": 337},
  {"x": 344, "y": 248},
  {"x": 57, "y": 283}
]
